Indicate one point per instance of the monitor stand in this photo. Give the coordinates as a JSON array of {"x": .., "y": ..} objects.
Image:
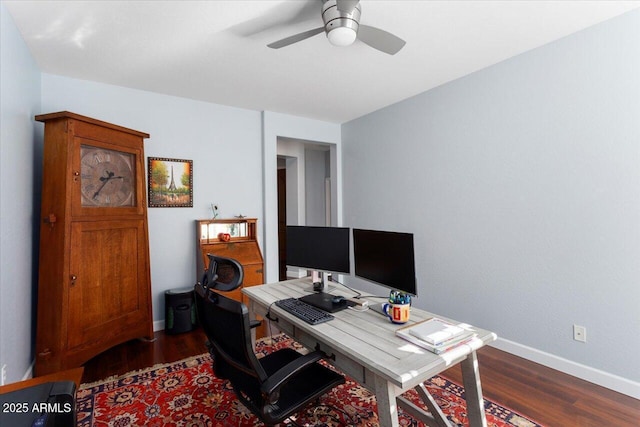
[{"x": 321, "y": 281}]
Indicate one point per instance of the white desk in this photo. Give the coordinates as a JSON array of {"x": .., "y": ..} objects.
[{"x": 366, "y": 348}]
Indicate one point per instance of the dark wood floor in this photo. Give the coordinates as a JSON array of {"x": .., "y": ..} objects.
[{"x": 547, "y": 396}]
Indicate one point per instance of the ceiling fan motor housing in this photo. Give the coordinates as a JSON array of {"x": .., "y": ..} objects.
[{"x": 335, "y": 19}]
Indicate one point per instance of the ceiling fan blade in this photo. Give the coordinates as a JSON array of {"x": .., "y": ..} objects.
[
  {"x": 346, "y": 6},
  {"x": 295, "y": 38},
  {"x": 282, "y": 14},
  {"x": 380, "y": 39}
]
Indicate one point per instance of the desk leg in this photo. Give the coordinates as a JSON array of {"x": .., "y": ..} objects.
[
  {"x": 386, "y": 399},
  {"x": 473, "y": 391}
]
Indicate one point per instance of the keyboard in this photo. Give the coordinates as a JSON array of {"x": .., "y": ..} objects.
[{"x": 304, "y": 311}]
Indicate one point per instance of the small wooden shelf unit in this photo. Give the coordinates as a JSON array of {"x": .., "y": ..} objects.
[{"x": 242, "y": 246}]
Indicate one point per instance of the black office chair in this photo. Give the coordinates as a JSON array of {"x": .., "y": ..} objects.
[
  {"x": 273, "y": 387},
  {"x": 223, "y": 274}
]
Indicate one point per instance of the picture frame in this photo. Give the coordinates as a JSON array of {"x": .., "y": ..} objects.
[{"x": 170, "y": 182}]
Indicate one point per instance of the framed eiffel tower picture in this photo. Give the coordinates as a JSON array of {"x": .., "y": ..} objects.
[{"x": 170, "y": 183}]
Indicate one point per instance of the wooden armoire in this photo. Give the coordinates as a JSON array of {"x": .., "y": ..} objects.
[{"x": 94, "y": 287}]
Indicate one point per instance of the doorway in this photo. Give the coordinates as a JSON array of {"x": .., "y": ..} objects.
[
  {"x": 282, "y": 223},
  {"x": 306, "y": 190}
]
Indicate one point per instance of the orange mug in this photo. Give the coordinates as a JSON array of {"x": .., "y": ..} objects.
[{"x": 398, "y": 313}]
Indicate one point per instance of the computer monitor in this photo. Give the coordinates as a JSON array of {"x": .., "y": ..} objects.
[
  {"x": 385, "y": 258},
  {"x": 323, "y": 249}
]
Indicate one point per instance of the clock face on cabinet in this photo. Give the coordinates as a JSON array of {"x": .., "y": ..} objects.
[{"x": 107, "y": 177}]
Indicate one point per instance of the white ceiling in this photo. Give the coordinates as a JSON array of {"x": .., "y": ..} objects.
[{"x": 216, "y": 50}]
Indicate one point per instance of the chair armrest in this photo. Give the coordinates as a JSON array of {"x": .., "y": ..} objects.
[{"x": 281, "y": 376}]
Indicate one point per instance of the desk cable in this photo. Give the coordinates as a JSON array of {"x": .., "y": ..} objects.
[
  {"x": 359, "y": 310},
  {"x": 355, "y": 291}
]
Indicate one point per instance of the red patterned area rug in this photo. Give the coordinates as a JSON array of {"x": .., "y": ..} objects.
[{"x": 186, "y": 393}]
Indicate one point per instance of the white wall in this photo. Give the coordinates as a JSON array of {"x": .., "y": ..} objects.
[
  {"x": 274, "y": 126},
  {"x": 316, "y": 171},
  {"x": 20, "y": 154},
  {"x": 307, "y": 163},
  {"x": 223, "y": 142},
  {"x": 293, "y": 153},
  {"x": 521, "y": 183}
]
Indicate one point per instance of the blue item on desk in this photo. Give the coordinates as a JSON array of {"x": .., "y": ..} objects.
[{"x": 397, "y": 297}]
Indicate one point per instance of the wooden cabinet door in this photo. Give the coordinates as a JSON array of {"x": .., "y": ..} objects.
[
  {"x": 109, "y": 289},
  {"x": 253, "y": 275}
]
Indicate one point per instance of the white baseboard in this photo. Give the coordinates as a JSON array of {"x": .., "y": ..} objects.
[
  {"x": 596, "y": 376},
  {"x": 29, "y": 374},
  {"x": 158, "y": 325}
]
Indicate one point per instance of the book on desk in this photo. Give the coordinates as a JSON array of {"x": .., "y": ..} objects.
[{"x": 437, "y": 335}]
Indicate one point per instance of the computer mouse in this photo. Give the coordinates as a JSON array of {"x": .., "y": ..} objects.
[{"x": 337, "y": 299}]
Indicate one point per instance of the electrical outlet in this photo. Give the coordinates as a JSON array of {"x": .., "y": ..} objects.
[
  {"x": 4, "y": 374},
  {"x": 579, "y": 333}
]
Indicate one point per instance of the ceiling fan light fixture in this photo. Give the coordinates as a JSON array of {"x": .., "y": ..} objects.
[
  {"x": 342, "y": 36},
  {"x": 341, "y": 20}
]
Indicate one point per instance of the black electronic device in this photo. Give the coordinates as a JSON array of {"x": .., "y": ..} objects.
[
  {"x": 323, "y": 250},
  {"x": 51, "y": 404},
  {"x": 325, "y": 301},
  {"x": 386, "y": 258},
  {"x": 319, "y": 248},
  {"x": 337, "y": 299},
  {"x": 304, "y": 311}
]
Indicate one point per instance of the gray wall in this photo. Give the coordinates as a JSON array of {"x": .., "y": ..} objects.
[
  {"x": 316, "y": 171},
  {"x": 521, "y": 183},
  {"x": 19, "y": 197}
]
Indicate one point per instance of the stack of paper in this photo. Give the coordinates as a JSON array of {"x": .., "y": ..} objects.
[{"x": 436, "y": 335}]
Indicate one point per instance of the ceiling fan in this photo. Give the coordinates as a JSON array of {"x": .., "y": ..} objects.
[{"x": 342, "y": 24}]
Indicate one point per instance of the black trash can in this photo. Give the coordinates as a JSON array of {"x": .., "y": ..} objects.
[{"x": 179, "y": 311}]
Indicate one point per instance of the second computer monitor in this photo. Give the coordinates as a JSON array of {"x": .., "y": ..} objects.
[{"x": 385, "y": 258}]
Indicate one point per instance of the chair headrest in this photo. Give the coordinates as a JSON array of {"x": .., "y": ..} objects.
[{"x": 224, "y": 274}]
